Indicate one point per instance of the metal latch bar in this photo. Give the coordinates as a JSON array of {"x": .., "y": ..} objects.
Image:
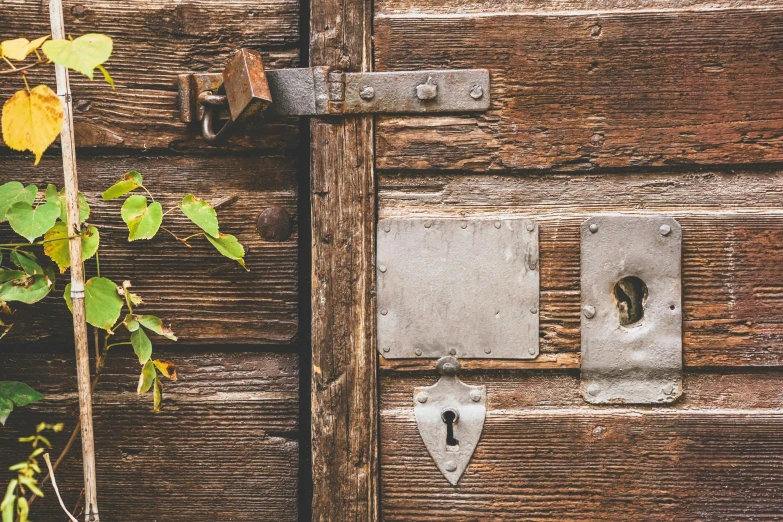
[{"x": 321, "y": 91}]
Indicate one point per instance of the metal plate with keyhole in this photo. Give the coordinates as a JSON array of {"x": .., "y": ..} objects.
[
  {"x": 631, "y": 309},
  {"x": 462, "y": 287}
]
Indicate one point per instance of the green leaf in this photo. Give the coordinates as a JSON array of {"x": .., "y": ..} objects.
[
  {"x": 15, "y": 393},
  {"x": 29, "y": 291},
  {"x": 201, "y": 213},
  {"x": 228, "y": 245},
  {"x": 27, "y": 262},
  {"x": 14, "y": 192},
  {"x": 101, "y": 300},
  {"x": 131, "y": 181},
  {"x": 84, "y": 208},
  {"x": 32, "y": 484},
  {"x": 154, "y": 324},
  {"x": 32, "y": 222},
  {"x": 142, "y": 345},
  {"x": 9, "y": 500},
  {"x": 23, "y": 507},
  {"x": 6, "y": 407},
  {"x": 146, "y": 378},
  {"x": 158, "y": 395},
  {"x": 82, "y": 55},
  {"x": 131, "y": 323},
  {"x": 8, "y": 275},
  {"x": 51, "y": 194},
  {"x": 57, "y": 248},
  {"x": 143, "y": 221}
]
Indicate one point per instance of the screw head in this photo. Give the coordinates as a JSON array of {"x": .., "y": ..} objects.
[
  {"x": 487, "y": 350},
  {"x": 476, "y": 92},
  {"x": 530, "y": 227},
  {"x": 594, "y": 227},
  {"x": 421, "y": 397},
  {"x": 475, "y": 395},
  {"x": 665, "y": 230},
  {"x": 534, "y": 310},
  {"x": 382, "y": 268},
  {"x": 593, "y": 389},
  {"x": 274, "y": 224},
  {"x": 387, "y": 228},
  {"x": 450, "y": 465},
  {"x": 384, "y": 311},
  {"x": 427, "y": 224},
  {"x": 589, "y": 311},
  {"x": 386, "y": 349},
  {"x": 497, "y": 224},
  {"x": 418, "y": 352},
  {"x": 668, "y": 389},
  {"x": 453, "y": 351},
  {"x": 464, "y": 225},
  {"x": 367, "y": 93}
]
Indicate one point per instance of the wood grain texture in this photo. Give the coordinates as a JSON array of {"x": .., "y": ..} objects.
[
  {"x": 546, "y": 455},
  {"x": 580, "y": 90},
  {"x": 207, "y": 298},
  {"x": 344, "y": 391},
  {"x": 225, "y": 444},
  {"x": 154, "y": 41},
  {"x": 732, "y": 237}
]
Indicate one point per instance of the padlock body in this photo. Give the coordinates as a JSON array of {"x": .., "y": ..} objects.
[{"x": 244, "y": 81}]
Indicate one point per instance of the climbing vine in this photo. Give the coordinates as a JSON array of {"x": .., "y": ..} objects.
[{"x": 31, "y": 120}]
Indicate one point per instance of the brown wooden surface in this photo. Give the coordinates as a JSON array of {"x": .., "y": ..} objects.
[
  {"x": 344, "y": 362},
  {"x": 154, "y": 41},
  {"x": 206, "y": 297},
  {"x": 732, "y": 237},
  {"x": 225, "y": 445},
  {"x": 547, "y": 455},
  {"x": 577, "y": 90}
]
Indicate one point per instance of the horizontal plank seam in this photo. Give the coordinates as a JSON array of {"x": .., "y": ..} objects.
[
  {"x": 407, "y": 413},
  {"x": 223, "y": 397}
]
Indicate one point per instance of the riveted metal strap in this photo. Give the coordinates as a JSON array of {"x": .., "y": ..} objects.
[{"x": 321, "y": 91}]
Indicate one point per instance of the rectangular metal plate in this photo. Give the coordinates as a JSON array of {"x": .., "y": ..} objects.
[
  {"x": 463, "y": 287},
  {"x": 631, "y": 309}
]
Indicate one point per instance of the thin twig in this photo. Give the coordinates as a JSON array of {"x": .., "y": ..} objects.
[
  {"x": 19, "y": 69},
  {"x": 54, "y": 485}
]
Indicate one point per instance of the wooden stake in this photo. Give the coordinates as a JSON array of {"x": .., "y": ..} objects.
[{"x": 77, "y": 274}]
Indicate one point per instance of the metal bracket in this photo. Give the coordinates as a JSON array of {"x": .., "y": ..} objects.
[
  {"x": 462, "y": 287},
  {"x": 321, "y": 91},
  {"x": 450, "y": 416},
  {"x": 631, "y": 309}
]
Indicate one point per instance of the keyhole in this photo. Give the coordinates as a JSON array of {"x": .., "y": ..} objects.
[
  {"x": 630, "y": 293},
  {"x": 450, "y": 418}
]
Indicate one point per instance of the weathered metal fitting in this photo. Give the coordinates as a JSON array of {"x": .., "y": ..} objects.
[
  {"x": 274, "y": 224},
  {"x": 429, "y": 90},
  {"x": 447, "y": 365}
]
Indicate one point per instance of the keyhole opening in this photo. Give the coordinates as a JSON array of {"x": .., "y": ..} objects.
[
  {"x": 450, "y": 418},
  {"x": 630, "y": 293}
]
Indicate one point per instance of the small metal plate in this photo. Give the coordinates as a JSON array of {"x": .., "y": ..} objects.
[
  {"x": 467, "y": 288},
  {"x": 631, "y": 309}
]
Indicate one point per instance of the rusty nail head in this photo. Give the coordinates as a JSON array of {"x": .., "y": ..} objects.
[
  {"x": 476, "y": 92},
  {"x": 382, "y": 268},
  {"x": 488, "y": 350},
  {"x": 367, "y": 93},
  {"x": 475, "y": 395},
  {"x": 422, "y": 397},
  {"x": 274, "y": 224},
  {"x": 594, "y": 228},
  {"x": 589, "y": 311},
  {"x": 665, "y": 230},
  {"x": 427, "y": 224},
  {"x": 464, "y": 225},
  {"x": 427, "y": 90}
]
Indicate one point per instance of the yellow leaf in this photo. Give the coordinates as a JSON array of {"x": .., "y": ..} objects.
[
  {"x": 19, "y": 48},
  {"x": 32, "y": 121}
]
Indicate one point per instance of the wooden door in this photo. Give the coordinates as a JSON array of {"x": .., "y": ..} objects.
[
  {"x": 659, "y": 108},
  {"x": 227, "y": 443}
]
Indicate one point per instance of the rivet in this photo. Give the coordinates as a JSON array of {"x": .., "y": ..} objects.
[
  {"x": 487, "y": 350},
  {"x": 418, "y": 352},
  {"x": 449, "y": 369},
  {"x": 386, "y": 349},
  {"x": 382, "y": 268},
  {"x": 530, "y": 227},
  {"x": 589, "y": 311},
  {"x": 427, "y": 224},
  {"x": 665, "y": 230},
  {"x": 593, "y": 389},
  {"x": 531, "y": 351},
  {"x": 594, "y": 227},
  {"x": 475, "y": 395},
  {"x": 453, "y": 351},
  {"x": 384, "y": 311},
  {"x": 274, "y": 224},
  {"x": 450, "y": 465},
  {"x": 476, "y": 92},
  {"x": 668, "y": 389},
  {"x": 427, "y": 90},
  {"x": 387, "y": 228},
  {"x": 497, "y": 224},
  {"x": 422, "y": 397},
  {"x": 534, "y": 310},
  {"x": 464, "y": 225},
  {"x": 367, "y": 93}
]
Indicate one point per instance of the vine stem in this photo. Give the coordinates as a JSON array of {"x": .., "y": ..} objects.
[
  {"x": 77, "y": 274},
  {"x": 19, "y": 69}
]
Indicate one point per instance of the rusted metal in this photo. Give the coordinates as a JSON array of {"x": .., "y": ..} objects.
[
  {"x": 245, "y": 85},
  {"x": 274, "y": 224}
]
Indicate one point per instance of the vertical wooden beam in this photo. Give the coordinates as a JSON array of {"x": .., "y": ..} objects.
[{"x": 344, "y": 370}]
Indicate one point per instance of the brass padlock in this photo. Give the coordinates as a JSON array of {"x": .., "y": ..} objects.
[{"x": 246, "y": 91}]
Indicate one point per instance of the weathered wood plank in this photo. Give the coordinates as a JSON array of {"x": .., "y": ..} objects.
[
  {"x": 226, "y": 441},
  {"x": 207, "y": 298},
  {"x": 732, "y": 237},
  {"x": 153, "y": 42},
  {"x": 545, "y": 454},
  {"x": 581, "y": 90},
  {"x": 344, "y": 394}
]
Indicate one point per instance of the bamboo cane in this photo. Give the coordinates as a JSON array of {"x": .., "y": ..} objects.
[{"x": 77, "y": 274}]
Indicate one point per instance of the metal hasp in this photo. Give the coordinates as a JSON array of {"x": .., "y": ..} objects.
[
  {"x": 321, "y": 91},
  {"x": 450, "y": 416},
  {"x": 631, "y": 309},
  {"x": 462, "y": 287}
]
